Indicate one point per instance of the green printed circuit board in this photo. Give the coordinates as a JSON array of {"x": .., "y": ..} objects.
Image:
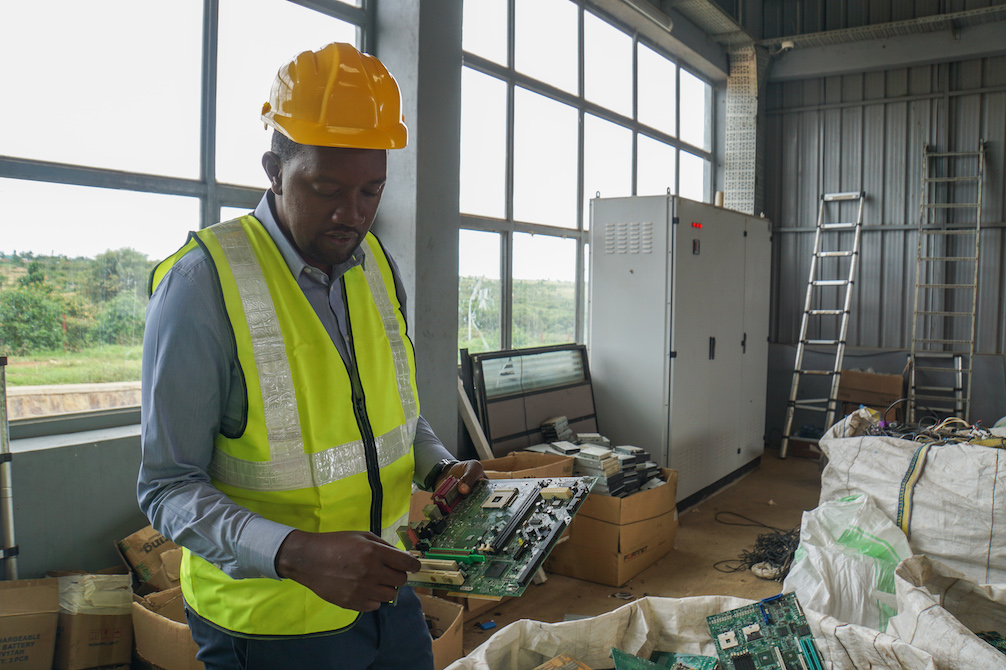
[
  {"x": 772, "y": 634},
  {"x": 491, "y": 542}
]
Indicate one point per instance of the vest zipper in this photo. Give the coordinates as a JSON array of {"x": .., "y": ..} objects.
[{"x": 363, "y": 422}]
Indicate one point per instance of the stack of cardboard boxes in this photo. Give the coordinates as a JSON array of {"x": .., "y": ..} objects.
[
  {"x": 78, "y": 621},
  {"x": 611, "y": 539},
  {"x": 29, "y": 615}
]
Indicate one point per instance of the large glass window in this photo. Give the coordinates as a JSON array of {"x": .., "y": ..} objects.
[
  {"x": 545, "y": 160},
  {"x": 694, "y": 176},
  {"x": 657, "y": 84},
  {"x": 607, "y": 65},
  {"x": 696, "y": 99},
  {"x": 484, "y": 30},
  {"x": 607, "y": 165},
  {"x": 483, "y": 145},
  {"x": 112, "y": 133},
  {"x": 121, "y": 94},
  {"x": 246, "y": 72},
  {"x": 622, "y": 129},
  {"x": 544, "y": 290},
  {"x": 479, "y": 291},
  {"x": 655, "y": 167},
  {"x": 546, "y": 46}
]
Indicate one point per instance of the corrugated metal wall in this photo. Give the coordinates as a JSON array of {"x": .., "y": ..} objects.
[
  {"x": 781, "y": 18},
  {"x": 867, "y": 132}
]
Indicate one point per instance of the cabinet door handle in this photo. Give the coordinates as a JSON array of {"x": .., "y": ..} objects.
[{"x": 712, "y": 348}]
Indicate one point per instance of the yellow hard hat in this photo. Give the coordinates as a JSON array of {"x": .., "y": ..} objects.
[{"x": 337, "y": 97}]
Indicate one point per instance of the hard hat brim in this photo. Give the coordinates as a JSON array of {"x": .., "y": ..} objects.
[{"x": 301, "y": 132}]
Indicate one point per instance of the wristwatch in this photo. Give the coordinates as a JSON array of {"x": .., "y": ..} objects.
[{"x": 438, "y": 469}]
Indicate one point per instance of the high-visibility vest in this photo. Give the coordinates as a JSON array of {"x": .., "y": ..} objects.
[{"x": 324, "y": 447}]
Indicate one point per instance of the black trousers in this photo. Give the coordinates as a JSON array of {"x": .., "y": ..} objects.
[{"x": 394, "y": 636}]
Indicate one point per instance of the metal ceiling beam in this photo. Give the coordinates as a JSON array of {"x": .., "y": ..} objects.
[
  {"x": 975, "y": 41},
  {"x": 686, "y": 41}
]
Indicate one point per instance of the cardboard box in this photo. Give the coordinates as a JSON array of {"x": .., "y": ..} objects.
[
  {"x": 613, "y": 564},
  {"x": 445, "y": 622},
  {"x": 93, "y": 641},
  {"x": 636, "y": 507},
  {"x": 29, "y": 612},
  {"x": 155, "y": 560},
  {"x": 95, "y": 625},
  {"x": 161, "y": 633},
  {"x": 528, "y": 465},
  {"x": 611, "y": 540},
  {"x": 624, "y": 538},
  {"x": 868, "y": 388}
]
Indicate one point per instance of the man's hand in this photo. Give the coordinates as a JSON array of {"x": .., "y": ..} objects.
[
  {"x": 355, "y": 570},
  {"x": 468, "y": 473}
]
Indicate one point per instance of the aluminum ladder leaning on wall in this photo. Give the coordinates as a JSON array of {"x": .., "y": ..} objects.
[
  {"x": 8, "y": 549},
  {"x": 946, "y": 286},
  {"x": 816, "y": 287}
]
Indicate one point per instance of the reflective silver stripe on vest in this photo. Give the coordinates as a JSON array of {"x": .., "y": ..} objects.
[
  {"x": 323, "y": 467},
  {"x": 282, "y": 421},
  {"x": 390, "y": 534},
  {"x": 289, "y": 468},
  {"x": 389, "y": 318}
]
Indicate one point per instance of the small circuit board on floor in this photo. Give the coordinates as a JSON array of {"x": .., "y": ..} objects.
[
  {"x": 663, "y": 660},
  {"x": 491, "y": 542},
  {"x": 772, "y": 634}
]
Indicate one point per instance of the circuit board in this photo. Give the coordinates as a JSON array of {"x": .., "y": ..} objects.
[
  {"x": 664, "y": 660},
  {"x": 491, "y": 542},
  {"x": 772, "y": 634}
]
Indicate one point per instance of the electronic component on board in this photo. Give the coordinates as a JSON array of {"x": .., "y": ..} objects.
[
  {"x": 490, "y": 542},
  {"x": 447, "y": 496},
  {"x": 772, "y": 634}
]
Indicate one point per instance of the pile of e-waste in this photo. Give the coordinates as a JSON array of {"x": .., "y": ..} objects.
[{"x": 901, "y": 566}]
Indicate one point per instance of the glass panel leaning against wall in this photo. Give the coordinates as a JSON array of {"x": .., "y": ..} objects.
[{"x": 73, "y": 301}]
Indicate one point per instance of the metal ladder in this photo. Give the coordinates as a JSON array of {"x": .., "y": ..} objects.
[
  {"x": 946, "y": 288},
  {"x": 816, "y": 287},
  {"x": 8, "y": 548}
]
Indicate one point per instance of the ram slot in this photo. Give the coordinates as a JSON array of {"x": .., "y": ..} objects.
[
  {"x": 541, "y": 552},
  {"x": 503, "y": 538}
]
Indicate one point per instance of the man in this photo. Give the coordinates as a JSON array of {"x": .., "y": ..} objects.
[{"x": 280, "y": 422}]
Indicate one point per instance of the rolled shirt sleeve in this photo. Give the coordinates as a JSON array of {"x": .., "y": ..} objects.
[{"x": 187, "y": 398}]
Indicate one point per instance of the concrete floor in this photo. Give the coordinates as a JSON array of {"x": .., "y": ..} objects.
[{"x": 776, "y": 494}]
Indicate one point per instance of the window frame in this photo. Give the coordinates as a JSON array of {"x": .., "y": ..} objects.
[
  {"x": 507, "y": 226},
  {"x": 212, "y": 195}
]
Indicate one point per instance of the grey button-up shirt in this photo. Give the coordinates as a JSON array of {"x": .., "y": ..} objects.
[{"x": 193, "y": 390}]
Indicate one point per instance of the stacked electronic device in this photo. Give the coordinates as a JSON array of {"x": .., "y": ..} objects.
[
  {"x": 620, "y": 470},
  {"x": 557, "y": 429}
]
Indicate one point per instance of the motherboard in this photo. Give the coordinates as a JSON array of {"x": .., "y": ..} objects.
[
  {"x": 491, "y": 542},
  {"x": 772, "y": 634}
]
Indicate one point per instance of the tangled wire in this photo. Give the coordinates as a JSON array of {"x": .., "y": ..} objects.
[{"x": 772, "y": 555}]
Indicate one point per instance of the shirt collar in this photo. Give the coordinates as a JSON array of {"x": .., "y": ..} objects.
[{"x": 264, "y": 212}]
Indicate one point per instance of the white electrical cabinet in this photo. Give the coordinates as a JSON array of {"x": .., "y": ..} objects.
[{"x": 678, "y": 341}]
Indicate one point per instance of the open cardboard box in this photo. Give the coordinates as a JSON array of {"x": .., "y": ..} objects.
[
  {"x": 445, "y": 618},
  {"x": 161, "y": 632},
  {"x": 29, "y": 613},
  {"x": 154, "y": 559},
  {"x": 528, "y": 465},
  {"x": 95, "y": 626},
  {"x": 611, "y": 540}
]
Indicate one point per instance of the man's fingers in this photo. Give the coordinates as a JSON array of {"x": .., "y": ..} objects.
[{"x": 398, "y": 560}]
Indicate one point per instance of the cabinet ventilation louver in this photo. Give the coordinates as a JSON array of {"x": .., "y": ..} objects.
[{"x": 628, "y": 238}]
